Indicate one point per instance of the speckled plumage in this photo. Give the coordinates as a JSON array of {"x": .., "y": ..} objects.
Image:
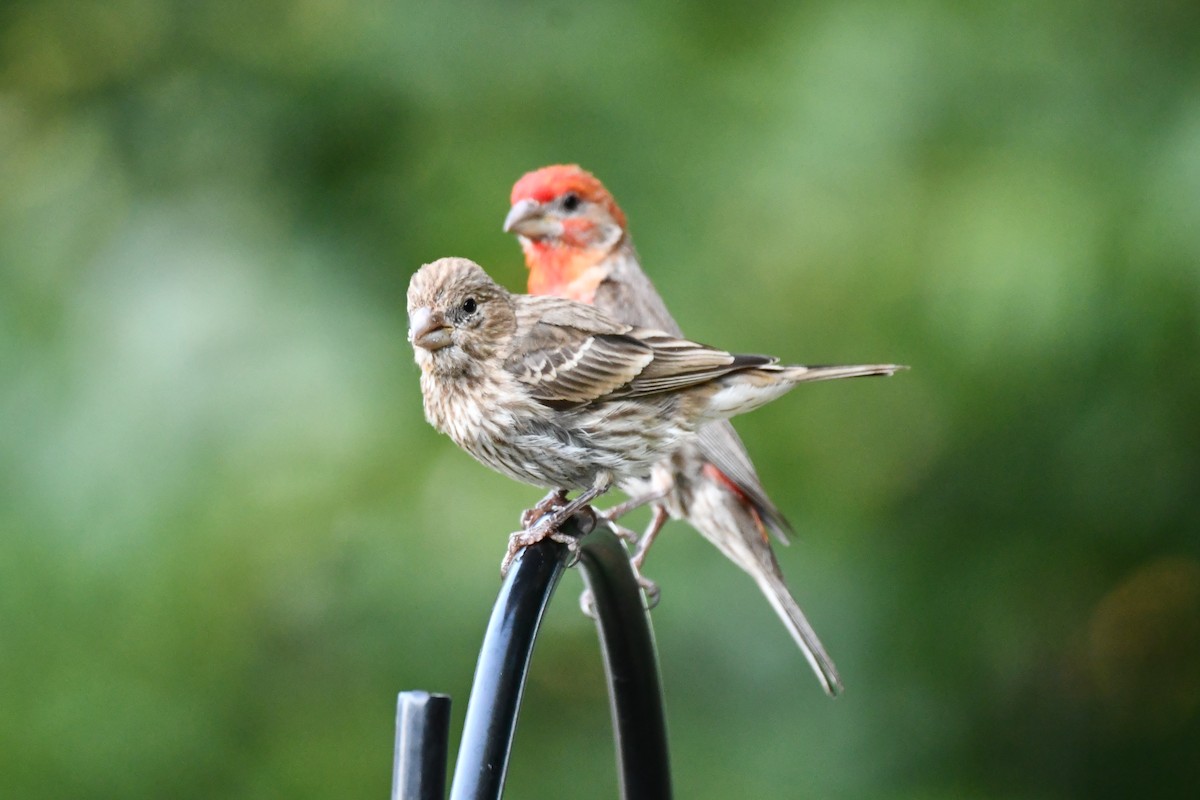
[{"x": 560, "y": 395}]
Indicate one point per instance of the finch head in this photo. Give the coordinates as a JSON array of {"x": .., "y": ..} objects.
[
  {"x": 567, "y": 223},
  {"x": 456, "y": 315},
  {"x": 566, "y": 203}
]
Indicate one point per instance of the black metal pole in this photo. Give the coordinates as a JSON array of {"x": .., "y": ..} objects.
[
  {"x": 503, "y": 665},
  {"x": 422, "y": 745},
  {"x": 630, "y": 661}
]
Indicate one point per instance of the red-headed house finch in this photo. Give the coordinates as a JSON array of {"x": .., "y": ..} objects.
[
  {"x": 560, "y": 395},
  {"x": 576, "y": 245}
]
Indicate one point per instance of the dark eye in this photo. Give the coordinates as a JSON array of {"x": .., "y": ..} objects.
[
  {"x": 469, "y": 305},
  {"x": 570, "y": 201}
]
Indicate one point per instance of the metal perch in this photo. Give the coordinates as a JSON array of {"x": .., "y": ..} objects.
[{"x": 630, "y": 662}]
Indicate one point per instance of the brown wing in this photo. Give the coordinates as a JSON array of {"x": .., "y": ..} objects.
[
  {"x": 562, "y": 369},
  {"x": 680, "y": 363},
  {"x": 570, "y": 353}
]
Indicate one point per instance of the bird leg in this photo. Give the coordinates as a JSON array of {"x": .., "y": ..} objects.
[
  {"x": 632, "y": 504},
  {"x": 546, "y": 530},
  {"x": 613, "y": 514},
  {"x": 658, "y": 518},
  {"x": 548, "y": 525},
  {"x": 587, "y": 602},
  {"x": 557, "y": 498}
]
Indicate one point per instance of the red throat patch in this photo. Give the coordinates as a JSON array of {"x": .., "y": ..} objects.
[
  {"x": 563, "y": 271},
  {"x": 567, "y": 267}
]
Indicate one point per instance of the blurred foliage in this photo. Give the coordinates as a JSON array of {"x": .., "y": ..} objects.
[{"x": 228, "y": 538}]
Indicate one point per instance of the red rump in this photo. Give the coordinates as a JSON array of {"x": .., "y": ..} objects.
[{"x": 715, "y": 474}]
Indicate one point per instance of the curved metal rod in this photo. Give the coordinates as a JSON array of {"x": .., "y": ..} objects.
[
  {"x": 631, "y": 664},
  {"x": 495, "y": 699}
]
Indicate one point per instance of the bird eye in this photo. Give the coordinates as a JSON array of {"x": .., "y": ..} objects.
[
  {"x": 469, "y": 305},
  {"x": 570, "y": 201}
]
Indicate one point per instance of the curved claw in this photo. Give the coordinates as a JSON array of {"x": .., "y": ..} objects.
[
  {"x": 585, "y": 520},
  {"x": 519, "y": 540},
  {"x": 552, "y": 502},
  {"x": 651, "y": 590},
  {"x": 572, "y": 546},
  {"x": 623, "y": 533}
]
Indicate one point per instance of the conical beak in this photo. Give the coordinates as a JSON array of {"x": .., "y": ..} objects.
[
  {"x": 427, "y": 329},
  {"x": 528, "y": 218}
]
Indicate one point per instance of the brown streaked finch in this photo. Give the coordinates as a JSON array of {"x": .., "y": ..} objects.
[
  {"x": 560, "y": 395},
  {"x": 577, "y": 246}
]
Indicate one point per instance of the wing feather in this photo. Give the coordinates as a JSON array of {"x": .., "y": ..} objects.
[
  {"x": 680, "y": 363},
  {"x": 570, "y": 354},
  {"x": 568, "y": 366}
]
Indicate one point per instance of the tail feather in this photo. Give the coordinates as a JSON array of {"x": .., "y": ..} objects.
[
  {"x": 804, "y": 374},
  {"x": 747, "y": 389},
  {"x": 776, "y": 592},
  {"x": 725, "y": 519}
]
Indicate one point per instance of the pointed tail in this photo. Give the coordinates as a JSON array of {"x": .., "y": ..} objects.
[
  {"x": 732, "y": 525},
  {"x": 776, "y": 592},
  {"x": 802, "y": 374}
]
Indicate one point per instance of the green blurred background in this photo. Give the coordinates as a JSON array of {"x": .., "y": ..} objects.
[{"x": 228, "y": 537}]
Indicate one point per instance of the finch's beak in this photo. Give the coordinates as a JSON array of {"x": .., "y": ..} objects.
[
  {"x": 527, "y": 218},
  {"x": 428, "y": 329}
]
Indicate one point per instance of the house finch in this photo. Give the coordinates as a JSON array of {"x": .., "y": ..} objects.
[
  {"x": 560, "y": 395},
  {"x": 576, "y": 245}
]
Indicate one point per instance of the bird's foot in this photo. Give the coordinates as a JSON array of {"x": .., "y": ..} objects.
[
  {"x": 552, "y": 502},
  {"x": 517, "y": 542},
  {"x": 548, "y": 528},
  {"x": 622, "y": 533},
  {"x": 650, "y": 589}
]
